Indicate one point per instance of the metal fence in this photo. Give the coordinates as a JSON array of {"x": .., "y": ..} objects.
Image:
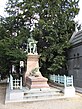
[
  {"x": 67, "y": 81},
  {"x": 15, "y": 83}
]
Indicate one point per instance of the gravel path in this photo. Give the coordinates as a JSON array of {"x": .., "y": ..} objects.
[{"x": 72, "y": 103}]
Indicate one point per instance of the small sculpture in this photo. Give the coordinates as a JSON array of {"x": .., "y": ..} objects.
[
  {"x": 35, "y": 72},
  {"x": 31, "y": 46}
]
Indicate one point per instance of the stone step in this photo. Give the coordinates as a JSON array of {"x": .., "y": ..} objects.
[
  {"x": 40, "y": 95},
  {"x": 33, "y": 91},
  {"x": 41, "y": 90},
  {"x": 33, "y": 95},
  {"x": 43, "y": 98},
  {"x": 43, "y": 93}
]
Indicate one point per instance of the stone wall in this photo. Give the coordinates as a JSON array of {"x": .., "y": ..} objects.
[{"x": 75, "y": 64}]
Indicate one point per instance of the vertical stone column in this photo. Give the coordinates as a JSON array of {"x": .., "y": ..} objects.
[{"x": 32, "y": 63}]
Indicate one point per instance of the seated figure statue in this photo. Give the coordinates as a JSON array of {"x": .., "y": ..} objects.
[
  {"x": 31, "y": 46},
  {"x": 35, "y": 72}
]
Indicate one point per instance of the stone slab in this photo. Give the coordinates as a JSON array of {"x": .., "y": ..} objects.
[
  {"x": 32, "y": 63},
  {"x": 16, "y": 95},
  {"x": 35, "y": 91},
  {"x": 36, "y": 82}
]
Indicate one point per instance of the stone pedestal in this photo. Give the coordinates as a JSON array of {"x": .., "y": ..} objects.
[
  {"x": 32, "y": 63},
  {"x": 69, "y": 92},
  {"x": 36, "y": 82}
]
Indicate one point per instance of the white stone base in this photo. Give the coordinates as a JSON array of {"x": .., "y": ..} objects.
[
  {"x": 16, "y": 95},
  {"x": 69, "y": 92}
]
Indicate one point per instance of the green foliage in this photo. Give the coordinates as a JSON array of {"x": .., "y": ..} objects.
[
  {"x": 54, "y": 28},
  {"x": 11, "y": 47},
  {"x": 50, "y": 21}
]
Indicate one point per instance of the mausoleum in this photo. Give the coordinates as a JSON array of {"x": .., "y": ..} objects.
[{"x": 75, "y": 58}]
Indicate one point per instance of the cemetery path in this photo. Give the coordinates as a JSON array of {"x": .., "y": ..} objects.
[{"x": 71, "y": 103}]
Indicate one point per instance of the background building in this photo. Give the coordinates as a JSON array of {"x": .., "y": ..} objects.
[{"x": 75, "y": 58}]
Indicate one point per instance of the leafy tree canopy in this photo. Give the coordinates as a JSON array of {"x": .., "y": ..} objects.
[{"x": 51, "y": 23}]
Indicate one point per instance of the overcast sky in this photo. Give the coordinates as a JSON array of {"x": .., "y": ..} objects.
[
  {"x": 2, "y": 5},
  {"x": 78, "y": 18}
]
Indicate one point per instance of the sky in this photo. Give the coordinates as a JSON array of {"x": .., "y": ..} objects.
[
  {"x": 2, "y": 5},
  {"x": 78, "y": 17}
]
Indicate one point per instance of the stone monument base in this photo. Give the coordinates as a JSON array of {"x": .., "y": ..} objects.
[
  {"x": 16, "y": 95},
  {"x": 69, "y": 92},
  {"x": 36, "y": 82}
]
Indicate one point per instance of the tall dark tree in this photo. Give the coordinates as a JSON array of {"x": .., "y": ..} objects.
[
  {"x": 13, "y": 40},
  {"x": 54, "y": 25},
  {"x": 50, "y": 21}
]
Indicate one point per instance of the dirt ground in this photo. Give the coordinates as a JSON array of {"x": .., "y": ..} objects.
[{"x": 71, "y": 103}]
